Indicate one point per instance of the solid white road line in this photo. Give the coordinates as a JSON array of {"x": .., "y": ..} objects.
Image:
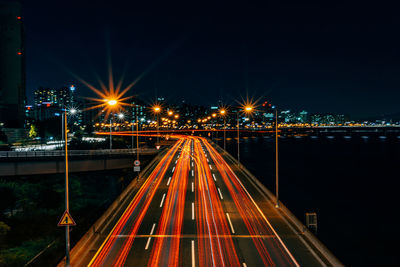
[
  {"x": 192, "y": 210},
  {"x": 220, "y": 194},
  {"x": 148, "y": 240},
  {"x": 210, "y": 166},
  {"x": 193, "y": 256},
  {"x": 192, "y": 187},
  {"x": 273, "y": 230},
  {"x": 162, "y": 200},
  {"x": 230, "y": 223},
  {"x": 173, "y": 169},
  {"x": 169, "y": 180},
  {"x": 215, "y": 179}
]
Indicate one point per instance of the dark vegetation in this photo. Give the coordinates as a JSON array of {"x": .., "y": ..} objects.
[{"x": 30, "y": 208}]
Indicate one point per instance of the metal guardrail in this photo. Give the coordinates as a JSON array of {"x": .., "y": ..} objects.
[{"x": 59, "y": 153}]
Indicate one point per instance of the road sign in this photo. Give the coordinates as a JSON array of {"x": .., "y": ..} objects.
[
  {"x": 66, "y": 220},
  {"x": 136, "y": 168},
  {"x": 158, "y": 147},
  {"x": 136, "y": 163}
]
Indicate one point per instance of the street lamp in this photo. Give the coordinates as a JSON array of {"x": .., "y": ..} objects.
[
  {"x": 137, "y": 132},
  {"x": 247, "y": 109},
  {"x": 64, "y": 135},
  {"x": 111, "y": 103},
  {"x": 276, "y": 160},
  {"x": 157, "y": 109},
  {"x": 223, "y": 113}
]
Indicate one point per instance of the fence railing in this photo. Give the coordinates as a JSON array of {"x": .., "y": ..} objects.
[{"x": 59, "y": 153}]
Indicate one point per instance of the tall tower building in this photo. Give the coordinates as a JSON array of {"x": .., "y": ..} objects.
[{"x": 12, "y": 65}]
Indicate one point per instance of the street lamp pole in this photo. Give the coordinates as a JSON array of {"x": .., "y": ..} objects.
[
  {"x": 223, "y": 114},
  {"x": 276, "y": 160},
  {"x": 158, "y": 130},
  {"x": 224, "y": 134},
  {"x": 67, "y": 243},
  {"x": 238, "y": 136},
  {"x": 111, "y": 131},
  {"x": 132, "y": 133},
  {"x": 137, "y": 137}
]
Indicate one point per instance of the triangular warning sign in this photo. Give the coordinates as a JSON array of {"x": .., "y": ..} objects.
[{"x": 66, "y": 220}]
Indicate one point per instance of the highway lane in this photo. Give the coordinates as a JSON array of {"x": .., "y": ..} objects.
[{"x": 193, "y": 211}]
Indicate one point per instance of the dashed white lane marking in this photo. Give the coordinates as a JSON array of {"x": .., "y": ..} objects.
[
  {"x": 169, "y": 180},
  {"x": 208, "y": 160},
  {"x": 192, "y": 173},
  {"x": 210, "y": 166},
  {"x": 215, "y": 179},
  {"x": 148, "y": 240},
  {"x": 176, "y": 161},
  {"x": 162, "y": 200},
  {"x": 192, "y": 164},
  {"x": 192, "y": 187},
  {"x": 244, "y": 264},
  {"x": 230, "y": 223},
  {"x": 173, "y": 169},
  {"x": 192, "y": 210},
  {"x": 193, "y": 256},
  {"x": 220, "y": 194}
]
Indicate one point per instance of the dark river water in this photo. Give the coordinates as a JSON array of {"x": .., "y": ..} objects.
[{"x": 351, "y": 183}]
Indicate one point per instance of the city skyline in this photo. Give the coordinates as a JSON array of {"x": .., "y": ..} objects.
[
  {"x": 238, "y": 50},
  {"x": 195, "y": 133}
]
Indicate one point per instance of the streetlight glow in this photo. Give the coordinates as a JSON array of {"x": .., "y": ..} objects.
[
  {"x": 112, "y": 102},
  {"x": 248, "y": 109}
]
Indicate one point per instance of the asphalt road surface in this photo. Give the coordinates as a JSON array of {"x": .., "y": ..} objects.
[{"x": 193, "y": 210}]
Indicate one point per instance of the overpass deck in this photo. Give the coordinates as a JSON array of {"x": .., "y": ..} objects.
[{"x": 195, "y": 207}]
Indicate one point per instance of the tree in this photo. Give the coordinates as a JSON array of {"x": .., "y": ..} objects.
[
  {"x": 4, "y": 229},
  {"x": 32, "y": 131}
]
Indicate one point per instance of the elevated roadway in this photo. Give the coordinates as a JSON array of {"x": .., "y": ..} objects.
[
  {"x": 194, "y": 206},
  {"x": 14, "y": 163}
]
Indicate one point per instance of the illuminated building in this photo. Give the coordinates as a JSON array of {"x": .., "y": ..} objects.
[
  {"x": 303, "y": 117},
  {"x": 140, "y": 110},
  {"x": 56, "y": 97}
]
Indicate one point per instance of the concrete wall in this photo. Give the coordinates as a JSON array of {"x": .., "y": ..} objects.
[{"x": 57, "y": 166}]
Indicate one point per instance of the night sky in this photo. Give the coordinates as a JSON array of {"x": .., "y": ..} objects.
[{"x": 334, "y": 56}]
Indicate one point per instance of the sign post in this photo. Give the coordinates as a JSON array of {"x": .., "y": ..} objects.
[
  {"x": 136, "y": 167},
  {"x": 66, "y": 219}
]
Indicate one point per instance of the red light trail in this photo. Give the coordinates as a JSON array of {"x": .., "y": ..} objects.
[{"x": 193, "y": 200}]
